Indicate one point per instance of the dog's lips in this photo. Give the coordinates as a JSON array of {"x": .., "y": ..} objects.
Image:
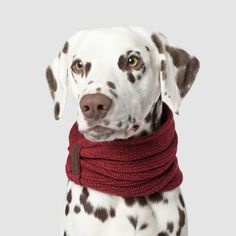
[
  {"x": 98, "y": 132},
  {"x": 100, "y": 129}
]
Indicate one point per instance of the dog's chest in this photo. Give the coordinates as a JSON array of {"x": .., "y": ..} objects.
[{"x": 88, "y": 212}]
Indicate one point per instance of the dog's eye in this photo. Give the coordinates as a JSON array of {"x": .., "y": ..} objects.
[
  {"x": 77, "y": 66},
  {"x": 133, "y": 62}
]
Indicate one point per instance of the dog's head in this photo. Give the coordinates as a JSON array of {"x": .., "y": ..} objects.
[{"x": 118, "y": 76}]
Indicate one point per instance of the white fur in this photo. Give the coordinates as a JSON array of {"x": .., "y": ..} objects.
[
  {"x": 102, "y": 48},
  {"x": 156, "y": 215}
]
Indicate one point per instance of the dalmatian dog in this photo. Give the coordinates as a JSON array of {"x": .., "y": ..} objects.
[{"x": 119, "y": 78}]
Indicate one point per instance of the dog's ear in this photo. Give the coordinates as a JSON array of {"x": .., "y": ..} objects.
[
  {"x": 56, "y": 74},
  {"x": 178, "y": 70}
]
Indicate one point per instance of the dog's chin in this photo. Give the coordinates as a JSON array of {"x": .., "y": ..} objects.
[
  {"x": 99, "y": 137},
  {"x": 100, "y": 134}
]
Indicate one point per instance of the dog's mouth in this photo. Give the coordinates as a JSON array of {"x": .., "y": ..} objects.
[
  {"x": 100, "y": 129},
  {"x": 98, "y": 132},
  {"x": 103, "y": 133}
]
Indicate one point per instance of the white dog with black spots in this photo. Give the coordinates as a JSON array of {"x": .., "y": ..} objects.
[{"x": 120, "y": 77}]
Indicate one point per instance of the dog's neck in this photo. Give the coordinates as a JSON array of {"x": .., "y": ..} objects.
[
  {"x": 156, "y": 152},
  {"x": 152, "y": 120}
]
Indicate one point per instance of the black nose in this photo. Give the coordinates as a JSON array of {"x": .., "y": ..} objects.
[{"x": 95, "y": 106}]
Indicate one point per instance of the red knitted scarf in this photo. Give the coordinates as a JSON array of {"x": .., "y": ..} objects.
[{"x": 130, "y": 168}]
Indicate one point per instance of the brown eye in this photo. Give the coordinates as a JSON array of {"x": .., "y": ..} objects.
[
  {"x": 77, "y": 66},
  {"x": 133, "y": 62}
]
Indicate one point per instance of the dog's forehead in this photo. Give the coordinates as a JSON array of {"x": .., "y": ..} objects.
[{"x": 111, "y": 41}]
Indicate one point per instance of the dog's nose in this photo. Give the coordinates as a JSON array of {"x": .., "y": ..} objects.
[{"x": 95, "y": 106}]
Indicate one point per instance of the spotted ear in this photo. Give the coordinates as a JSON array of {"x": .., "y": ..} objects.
[
  {"x": 178, "y": 71},
  {"x": 56, "y": 74}
]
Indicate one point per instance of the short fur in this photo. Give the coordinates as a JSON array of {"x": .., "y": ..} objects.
[{"x": 165, "y": 73}]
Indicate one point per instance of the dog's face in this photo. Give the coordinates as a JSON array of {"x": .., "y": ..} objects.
[{"x": 118, "y": 76}]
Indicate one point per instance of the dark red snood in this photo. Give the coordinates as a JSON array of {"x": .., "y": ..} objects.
[{"x": 130, "y": 167}]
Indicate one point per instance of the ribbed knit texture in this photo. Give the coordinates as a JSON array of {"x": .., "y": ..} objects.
[{"x": 131, "y": 167}]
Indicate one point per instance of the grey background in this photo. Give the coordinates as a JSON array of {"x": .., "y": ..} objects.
[{"x": 34, "y": 146}]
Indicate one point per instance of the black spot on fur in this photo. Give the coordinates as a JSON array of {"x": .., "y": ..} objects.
[
  {"x": 170, "y": 227},
  {"x": 65, "y": 234},
  {"x": 144, "y": 69},
  {"x": 133, "y": 221},
  {"x": 69, "y": 196},
  {"x": 163, "y": 234},
  {"x": 143, "y": 133},
  {"x": 88, "y": 66},
  {"x": 52, "y": 83},
  {"x": 164, "y": 70},
  {"x": 67, "y": 209},
  {"x": 77, "y": 209},
  {"x": 165, "y": 201},
  {"x": 84, "y": 195},
  {"x": 88, "y": 208},
  {"x": 122, "y": 63},
  {"x": 129, "y": 201},
  {"x": 148, "y": 117},
  {"x": 111, "y": 85},
  {"x": 65, "y": 48},
  {"x": 147, "y": 48},
  {"x": 101, "y": 214},
  {"x": 90, "y": 82},
  {"x": 119, "y": 124},
  {"x": 163, "y": 65},
  {"x": 158, "y": 43},
  {"x": 143, "y": 226},
  {"x": 128, "y": 52},
  {"x": 57, "y": 110},
  {"x": 142, "y": 201},
  {"x": 112, "y": 212},
  {"x": 131, "y": 78},
  {"x": 185, "y": 83},
  {"x": 181, "y": 200},
  {"x": 154, "y": 115},
  {"x": 181, "y": 221},
  {"x": 129, "y": 118},
  {"x": 156, "y": 197},
  {"x": 180, "y": 57},
  {"x": 113, "y": 93},
  {"x": 136, "y": 127}
]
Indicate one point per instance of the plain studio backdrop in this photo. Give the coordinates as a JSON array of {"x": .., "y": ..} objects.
[{"x": 34, "y": 146}]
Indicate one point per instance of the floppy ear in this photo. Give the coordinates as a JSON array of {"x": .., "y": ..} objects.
[
  {"x": 56, "y": 74},
  {"x": 178, "y": 71}
]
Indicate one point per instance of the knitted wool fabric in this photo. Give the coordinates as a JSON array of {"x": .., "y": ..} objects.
[{"x": 131, "y": 167}]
